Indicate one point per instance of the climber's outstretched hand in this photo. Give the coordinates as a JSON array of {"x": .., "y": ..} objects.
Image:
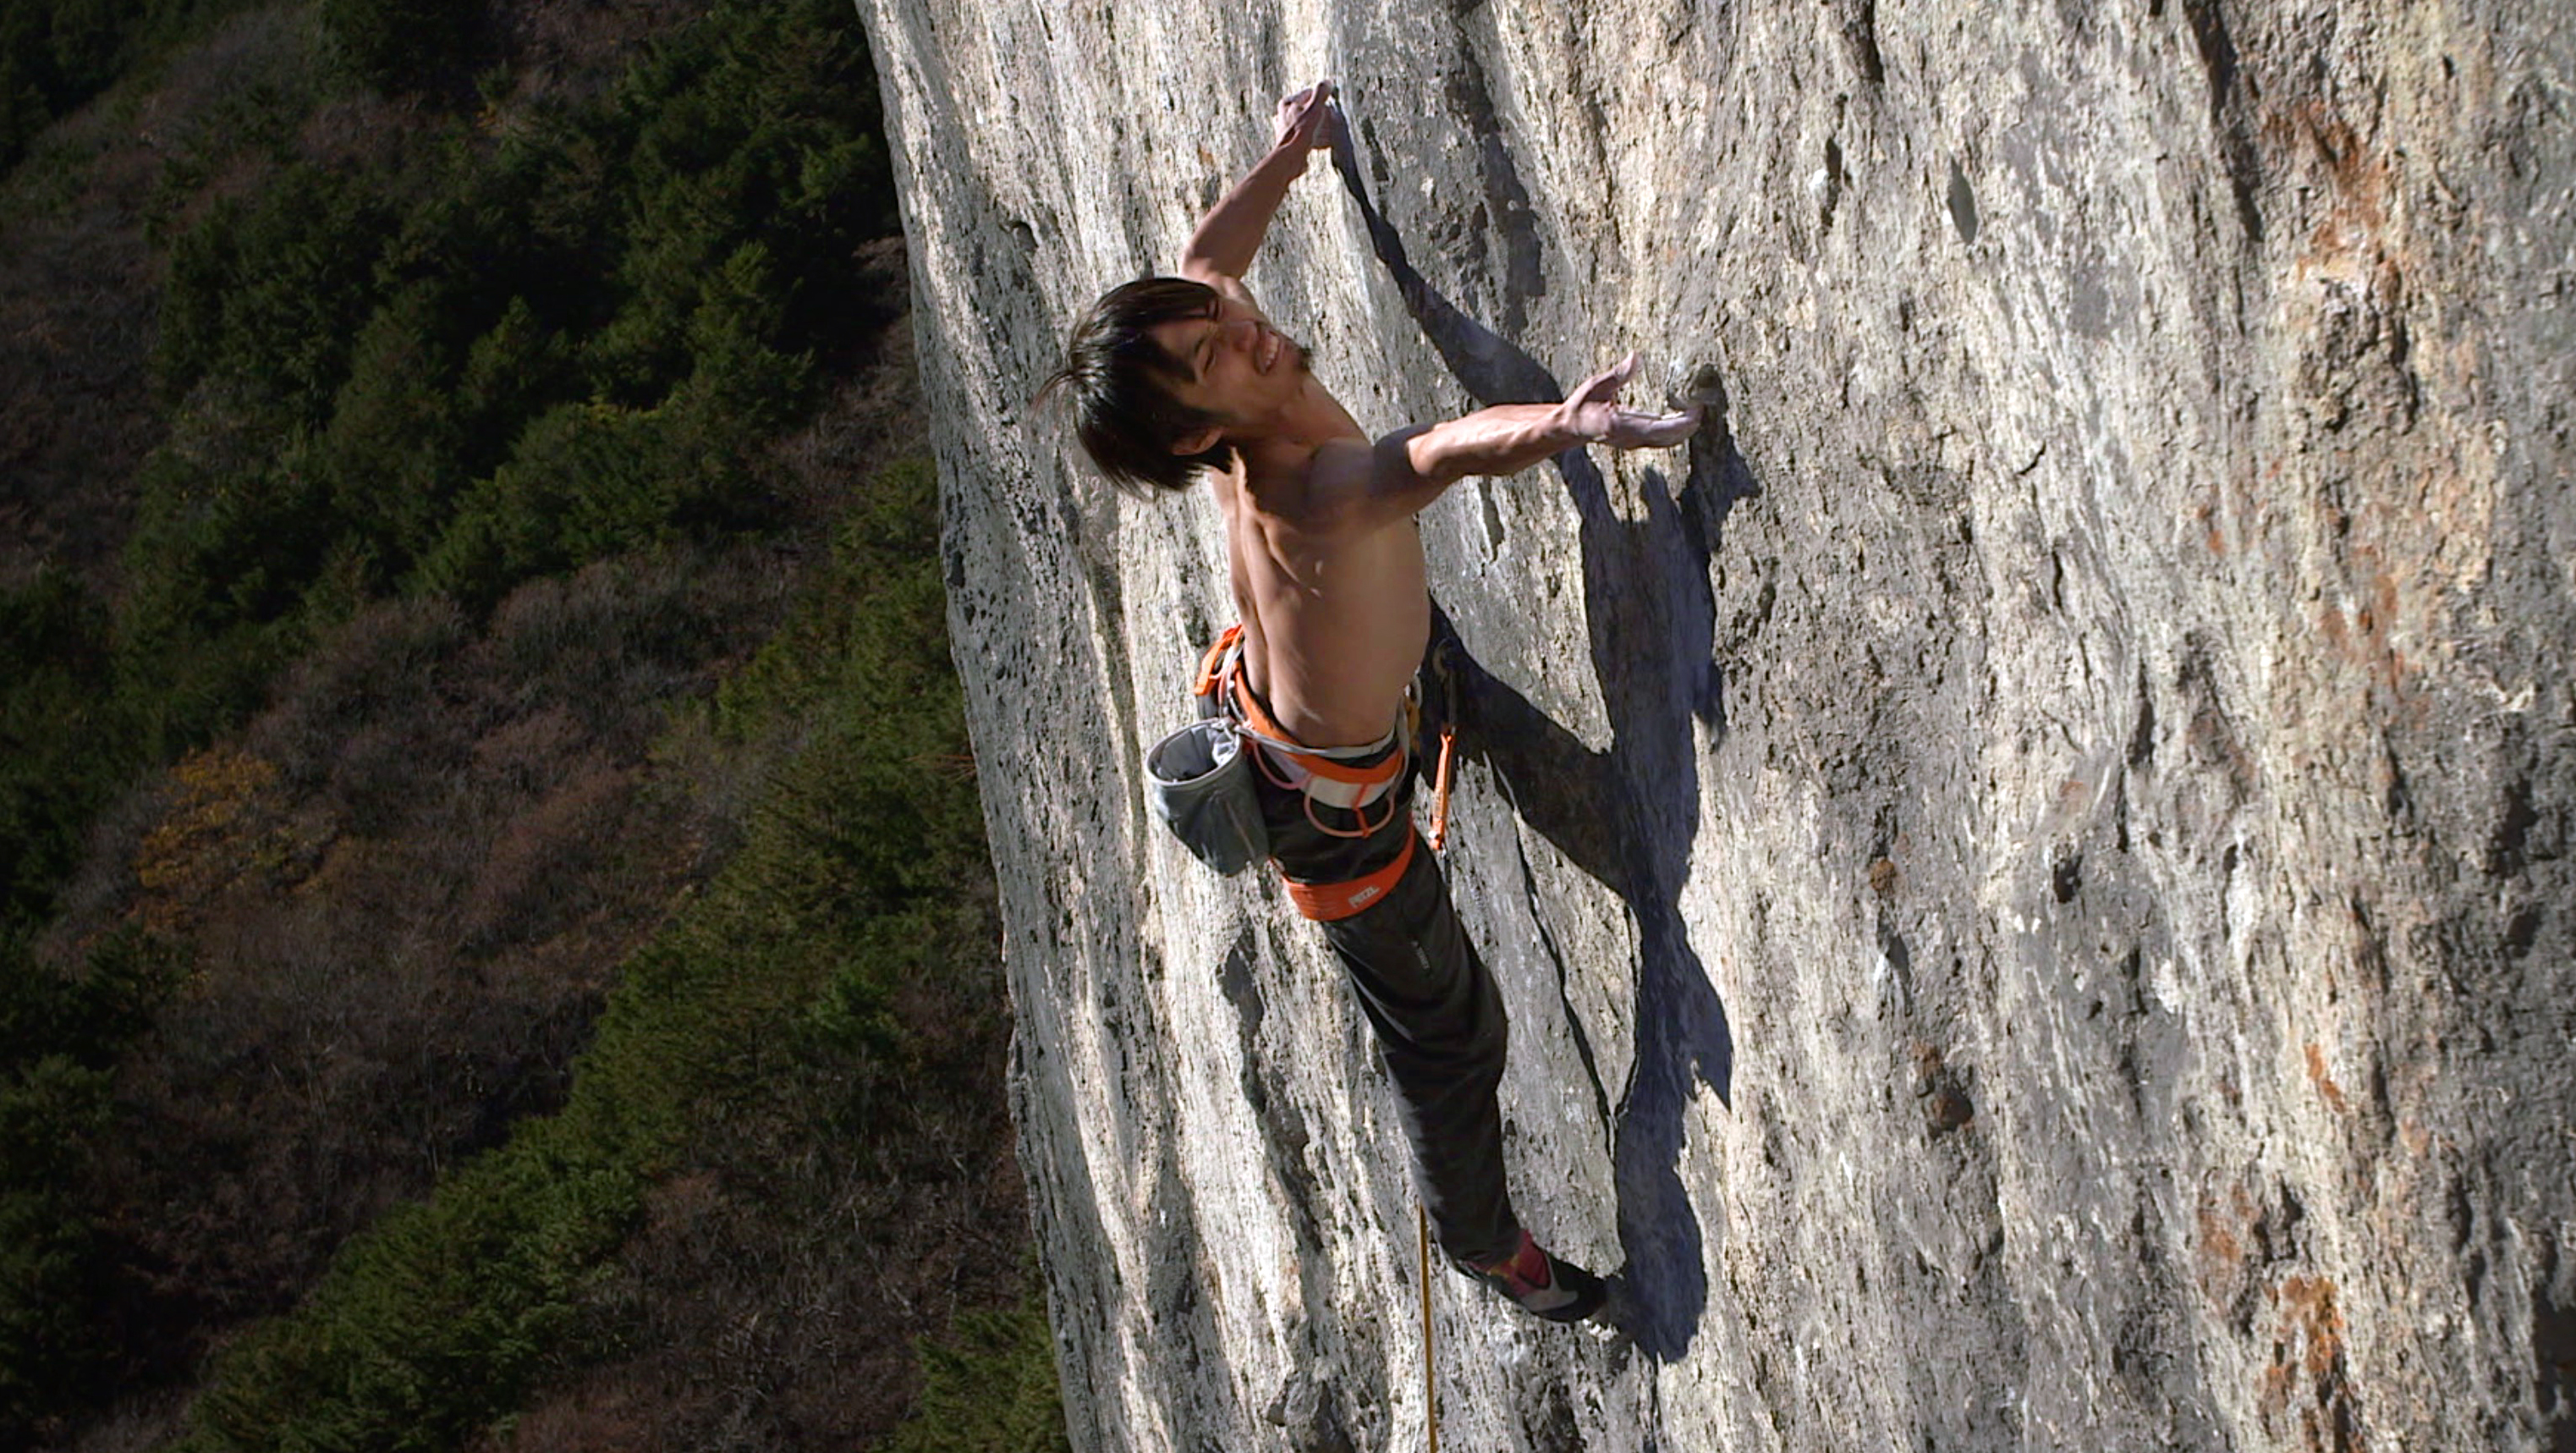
[
  {"x": 1306, "y": 118},
  {"x": 1593, "y": 413}
]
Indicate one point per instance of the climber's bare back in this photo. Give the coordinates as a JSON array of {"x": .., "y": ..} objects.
[{"x": 1326, "y": 562}]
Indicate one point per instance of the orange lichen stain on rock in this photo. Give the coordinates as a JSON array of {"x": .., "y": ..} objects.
[
  {"x": 2309, "y": 133},
  {"x": 2408, "y": 561},
  {"x": 2224, "y": 1253},
  {"x": 2250, "y": 503},
  {"x": 2379, "y": 631},
  {"x": 2412, "y": 1134},
  {"x": 1882, "y": 878},
  {"x": 2377, "y": 612},
  {"x": 2378, "y": 619},
  {"x": 2325, "y": 1082},
  {"x": 2458, "y": 509},
  {"x": 2214, "y": 539},
  {"x": 2306, "y": 1391},
  {"x": 2220, "y": 1245}
]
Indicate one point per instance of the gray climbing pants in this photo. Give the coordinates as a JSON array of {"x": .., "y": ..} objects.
[{"x": 1439, "y": 1020}]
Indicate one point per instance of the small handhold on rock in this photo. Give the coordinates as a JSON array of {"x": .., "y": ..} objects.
[
  {"x": 2066, "y": 877},
  {"x": 1963, "y": 205},
  {"x": 1689, "y": 385},
  {"x": 1882, "y": 877},
  {"x": 1946, "y": 1105}
]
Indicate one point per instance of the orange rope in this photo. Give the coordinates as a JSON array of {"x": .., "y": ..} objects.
[{"x": 1430, "y": 1386}]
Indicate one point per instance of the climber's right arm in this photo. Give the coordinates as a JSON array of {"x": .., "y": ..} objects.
[{"x": 1232, "y": 230}]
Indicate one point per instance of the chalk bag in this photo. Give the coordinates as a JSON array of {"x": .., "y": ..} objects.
[{"x": 1202, "y": 789}]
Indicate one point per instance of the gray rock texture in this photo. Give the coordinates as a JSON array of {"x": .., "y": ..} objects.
[{"x": 2029, "y": 863}]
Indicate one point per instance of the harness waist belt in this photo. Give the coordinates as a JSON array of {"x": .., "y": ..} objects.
[
  {"x": 1328, "y": 775},
  {"x": 1349, "y": 778}
]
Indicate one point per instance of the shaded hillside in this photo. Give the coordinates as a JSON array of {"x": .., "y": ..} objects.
[
  {"x": 467, "y": 554},
  {"x": 2028, "y": 864}
]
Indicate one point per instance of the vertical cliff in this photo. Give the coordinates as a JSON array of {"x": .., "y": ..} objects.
[{"x": 2029, "y": 865}]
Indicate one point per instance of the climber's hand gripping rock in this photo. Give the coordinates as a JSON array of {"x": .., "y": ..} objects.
[
  {"x": 1306, "y": 119},
  {"x": 1593, "y": 412}
]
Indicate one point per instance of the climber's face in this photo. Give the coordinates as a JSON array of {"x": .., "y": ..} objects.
[{"x": 1238, "y": 367}]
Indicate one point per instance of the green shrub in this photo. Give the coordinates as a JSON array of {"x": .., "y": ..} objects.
[
  {"x": 52, "y": 1350},
  {"x": 515, "y": 371},
  {"x": 991, "y": 1388},
  {"x": 59, "y": 1036},
  {"x": 56, "y": 54},
  {"x": 842, "y": 939},
  {"x": 405, "y": 45},
  {"x": 489, "y": 356},
  {"x": 264, "y": 295},
  {"x": 585, "y": 481},
  {"x": 387, "y": 457},
  {"x": 433, "y": 1325},
  {"x": 61, "y": 758},
  {"x": 464, "y": 438}
]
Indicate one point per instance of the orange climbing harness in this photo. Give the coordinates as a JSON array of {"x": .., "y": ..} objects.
[
  {"x": 1327, "y": 902},
  {"x": 1333, "y": 776},
  {"x": 1353, "y": 779}
]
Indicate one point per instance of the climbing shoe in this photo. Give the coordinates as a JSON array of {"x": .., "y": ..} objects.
[{"x": 1541, "y": 1285}]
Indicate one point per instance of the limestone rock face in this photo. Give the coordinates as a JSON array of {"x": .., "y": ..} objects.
[{"x": 2029, "y": 864}]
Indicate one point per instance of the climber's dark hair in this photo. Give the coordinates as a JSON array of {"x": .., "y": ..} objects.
[{"x": 1117, "y": 380}]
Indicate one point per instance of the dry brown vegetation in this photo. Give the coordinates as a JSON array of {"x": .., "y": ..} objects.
[
  {"x": 770, "y": 1300},
  {"x": 403, "y": 885},
  {"x": 406, "y": 883}
]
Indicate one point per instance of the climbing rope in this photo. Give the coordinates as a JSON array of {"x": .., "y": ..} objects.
[{"x": 1430, "y": 1384}]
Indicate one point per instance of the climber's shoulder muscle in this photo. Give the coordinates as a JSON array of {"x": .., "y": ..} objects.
[{"x": 1224, "y": 282}]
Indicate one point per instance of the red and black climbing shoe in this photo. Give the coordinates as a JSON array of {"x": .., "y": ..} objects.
[{"x": 1541, "y": 1285}]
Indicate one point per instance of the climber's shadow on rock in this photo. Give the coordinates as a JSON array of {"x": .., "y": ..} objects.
[{"x": 1627, "y": 815}]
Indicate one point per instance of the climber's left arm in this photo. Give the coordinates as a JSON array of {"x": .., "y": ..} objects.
[
  {"x": 1355, "y": 485},
  {"x": 1509, "y": 438},
  {"x": 1232, "y": 230}
]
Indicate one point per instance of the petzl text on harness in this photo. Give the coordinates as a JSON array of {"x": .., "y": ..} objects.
[{"x": 1200, "y": 784}]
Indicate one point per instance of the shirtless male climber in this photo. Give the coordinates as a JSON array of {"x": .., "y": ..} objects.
[{"x": 1170, "y": 379}]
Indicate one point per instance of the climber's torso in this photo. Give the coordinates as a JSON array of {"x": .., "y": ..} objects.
[
  {"x": 1334, "y": 618},
  {"x": 1335, "y": 613}
]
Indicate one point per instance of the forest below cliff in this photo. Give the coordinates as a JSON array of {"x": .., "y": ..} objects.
[{"x": 497, "y": 947}]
